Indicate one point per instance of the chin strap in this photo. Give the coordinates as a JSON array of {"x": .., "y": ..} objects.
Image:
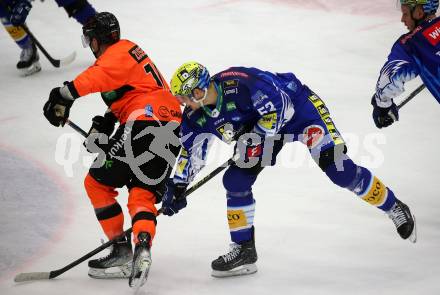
[{"x": 218, "y": 105}]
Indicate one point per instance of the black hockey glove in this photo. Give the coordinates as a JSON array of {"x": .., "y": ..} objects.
[
  {"x": 174, "y": 198},
  {"x": 384, "y": 117},
  {"x": 102, "y": 127},
  {"x": 57, "y": 108},
  {"x": 20, "y": 11}
]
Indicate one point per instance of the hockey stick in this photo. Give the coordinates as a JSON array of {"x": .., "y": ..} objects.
[
  {"x": 76, "y": 128},
  {"x": 411, "y": 96},
  {"x": 33, "y": 276},
  {"x": 55, "y": 62}
]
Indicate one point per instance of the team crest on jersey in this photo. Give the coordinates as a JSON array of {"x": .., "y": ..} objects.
[
  {"x": 312, "y": 135},
  {"x": 227, "y": 132},
  {"x": 138, "y": 54}
]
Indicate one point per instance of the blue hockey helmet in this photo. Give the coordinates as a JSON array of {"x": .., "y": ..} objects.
[{"x": 429, "y": 6}]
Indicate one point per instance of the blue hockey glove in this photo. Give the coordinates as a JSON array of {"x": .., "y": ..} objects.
[
  {"x": 174, "y": 198},
  {"x": 20, "y": 11},
  {"x": 384, "y": 117}
]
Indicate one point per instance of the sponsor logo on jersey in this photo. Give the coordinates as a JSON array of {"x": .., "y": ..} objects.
[
  {"x": 433, "y": 34},
  {"x": 313, "y": 135},
  {"x": 148, "y": 110},
  {"x": 231, "y": 91},
  {"x": 230, "y": 106},
  {"x": 230, "y": 83},
  {"x": 164, "y": 112},
  {"x": 138, "y": 54},
  {"x": 268, "y": 121},
  {"x": 258, "y": 97},
  {"x": 227, "y": 132},
  {"x": 219, "y": 121},
  {"x": 201, "y": 121}
]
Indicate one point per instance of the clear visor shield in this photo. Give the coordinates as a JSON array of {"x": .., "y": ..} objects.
[{"x": 85, "y": 41}]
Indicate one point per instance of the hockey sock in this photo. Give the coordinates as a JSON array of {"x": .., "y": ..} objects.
[
  {"x": 359, "y": 180},
  {"x": 142, "y": 211},
  {"x": 20, "y": 37},
  {"x": 241, "y": 210},
  {"x": 111, "y": 219},
  {"x": 107, "y": 210}
]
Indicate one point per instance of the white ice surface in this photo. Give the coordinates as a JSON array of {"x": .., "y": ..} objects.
[{"x": 312, "y": 237}]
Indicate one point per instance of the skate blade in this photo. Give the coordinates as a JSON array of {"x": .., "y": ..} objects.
[
  {"x": 117, "y": 272},
  {"x": 413, "y": 237},
  {"x": 34, "y": 68},
  {"x": 137, "y": 282},
  {"x": 242, "y": 270}
]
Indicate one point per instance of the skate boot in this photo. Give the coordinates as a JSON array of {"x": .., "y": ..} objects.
[
  {"x": 141, "y": 261},
  {"x": 29, "y": 61},
  {"x": 404, "y": 221},
  {"x": 115, "y": 265},
  {"x": 239, "y": 261}
]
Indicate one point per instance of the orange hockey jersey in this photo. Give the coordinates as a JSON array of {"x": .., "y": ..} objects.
[{"x": 130, "y": 84}]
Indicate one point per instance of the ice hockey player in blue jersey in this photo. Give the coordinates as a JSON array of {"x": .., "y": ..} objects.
[
  {"x": 276, "y": 108},
  {"x": 416, "y": 53},
  {"x": 13, "y": 14}
]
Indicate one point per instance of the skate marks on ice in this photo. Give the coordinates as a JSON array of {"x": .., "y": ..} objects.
[{"x": 32, "y": 211}]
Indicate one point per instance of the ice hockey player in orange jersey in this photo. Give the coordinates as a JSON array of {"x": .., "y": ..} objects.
[{"x": 141, "y": 153}]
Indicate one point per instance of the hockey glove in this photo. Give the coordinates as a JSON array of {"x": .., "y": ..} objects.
[
  {"x": 57, "y": 108},
  {"x": 102, "y": 127},
  {"x": 174, "y": 198},
  {"x": 20, "y": 11},
  {"x": 384, "y": 117}
]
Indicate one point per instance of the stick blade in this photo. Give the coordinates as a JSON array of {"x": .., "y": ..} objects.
[
  {"x": 68, "y": 59},
  {"x": 31, "y": 276}
]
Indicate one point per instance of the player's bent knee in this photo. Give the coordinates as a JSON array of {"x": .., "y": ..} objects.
[{"x": 238, "y": 179}]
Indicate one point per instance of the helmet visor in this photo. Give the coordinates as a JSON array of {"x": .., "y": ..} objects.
[{"x": 85, "y": 41}]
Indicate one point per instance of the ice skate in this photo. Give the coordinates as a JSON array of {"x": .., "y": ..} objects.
[
  {"x": 29, "y": 61},
  {"x": 404, "y": 221},
  {"x": 117, "y": 264},
  {"x": 141, "y": 262},
  {"x": 239, "y": 261}
]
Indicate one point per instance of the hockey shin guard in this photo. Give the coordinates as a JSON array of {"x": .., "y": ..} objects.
[
  {"x": 241, "y": 204},
  {"x": 360, "y": 181},
  {"x": 107, "y": 210},
  {"x": 142, "y": 211},
  {"x": 20, "y": 37}
]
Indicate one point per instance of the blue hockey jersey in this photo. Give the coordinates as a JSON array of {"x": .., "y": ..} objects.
[
  {"x": 415, "y": 53},
  {"x": 246, "y": 97}
]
